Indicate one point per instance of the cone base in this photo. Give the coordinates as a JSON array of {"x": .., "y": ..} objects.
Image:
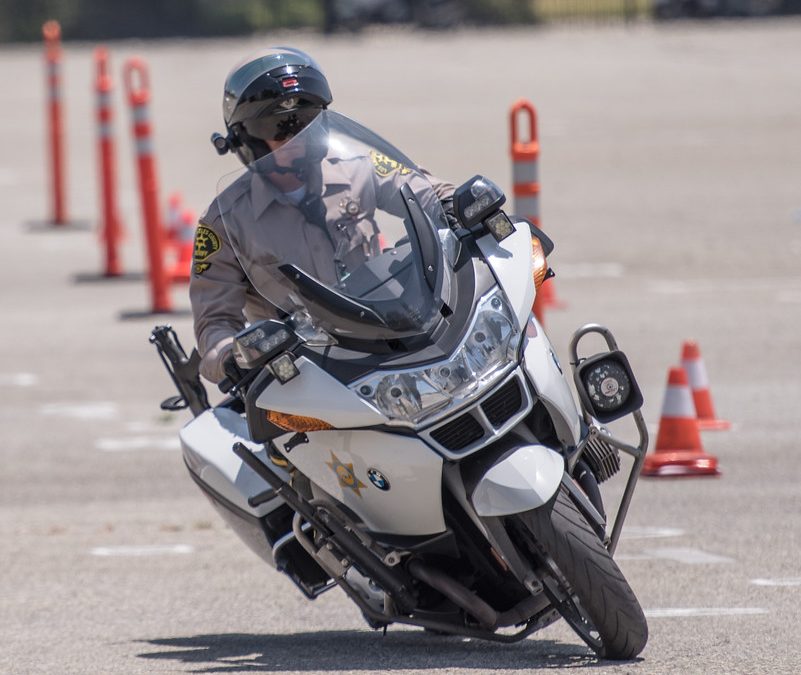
[
  {"x": 706, "y": 424},
  {"x": 680, "y": 463}
]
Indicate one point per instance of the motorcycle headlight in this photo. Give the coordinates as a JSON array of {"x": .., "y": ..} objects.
[{"x": 489, "y": 348}]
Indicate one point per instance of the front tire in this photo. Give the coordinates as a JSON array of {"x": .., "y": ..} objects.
[{"x": 596, "y": 600}]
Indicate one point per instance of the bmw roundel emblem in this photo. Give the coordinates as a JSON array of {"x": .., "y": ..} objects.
[{"x": 378, "y": 479}]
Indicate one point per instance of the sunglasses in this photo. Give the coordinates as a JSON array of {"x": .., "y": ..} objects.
[{"x": 282, "y": 125}]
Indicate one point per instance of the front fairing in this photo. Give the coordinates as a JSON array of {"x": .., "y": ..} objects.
[{"x": 340, "y": 227}]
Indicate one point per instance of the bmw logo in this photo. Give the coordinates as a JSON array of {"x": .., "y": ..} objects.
[{"x": 378, "y": 479}]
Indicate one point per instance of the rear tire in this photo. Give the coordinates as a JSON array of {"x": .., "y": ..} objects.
[{"x": 607, "y": 615}]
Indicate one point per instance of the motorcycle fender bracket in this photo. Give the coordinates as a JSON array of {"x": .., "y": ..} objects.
[{"x": 523, "y": 480}]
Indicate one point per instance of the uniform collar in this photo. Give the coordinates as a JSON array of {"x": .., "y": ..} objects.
[{"x": 263, "y": 193}]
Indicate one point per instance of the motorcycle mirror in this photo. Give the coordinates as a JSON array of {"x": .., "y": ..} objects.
[
  {"x": 478, "y": 203},
  {"x": 606, "y": 386},
  {"x": 261, "y": 341}
]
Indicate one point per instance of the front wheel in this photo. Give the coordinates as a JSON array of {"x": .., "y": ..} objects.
[{"x": 582, "y": 580}]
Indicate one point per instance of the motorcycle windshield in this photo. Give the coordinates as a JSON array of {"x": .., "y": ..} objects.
[{"x": 341, "y": 226}]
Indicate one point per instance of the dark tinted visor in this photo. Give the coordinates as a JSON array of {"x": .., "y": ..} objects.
[{"x": 282, "y": 125}]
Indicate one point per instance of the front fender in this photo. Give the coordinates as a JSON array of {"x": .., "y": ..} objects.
[{"x": 524, "y": 480}]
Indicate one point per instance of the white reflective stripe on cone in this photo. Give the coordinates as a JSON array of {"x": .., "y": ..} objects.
[
  {"x": 525, "y": 172},
  {"x": 144, "y": 146},
  {"x": 696, "y": 373},
  {"x": 140, "y": 114},
  {"x": 678, "y": 403},
  {"x": 527, "y": 206}
]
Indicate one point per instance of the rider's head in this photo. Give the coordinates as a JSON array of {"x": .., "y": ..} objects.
[{"x": 269, "y": 97}]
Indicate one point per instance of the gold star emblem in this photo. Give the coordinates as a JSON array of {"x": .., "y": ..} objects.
[{"x": 345, "y": 475}]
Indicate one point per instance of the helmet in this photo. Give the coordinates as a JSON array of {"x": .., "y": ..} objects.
[{"x": 271, "y": 95}]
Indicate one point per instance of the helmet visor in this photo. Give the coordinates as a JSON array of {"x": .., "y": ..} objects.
[{"x": 278, "y": 126}]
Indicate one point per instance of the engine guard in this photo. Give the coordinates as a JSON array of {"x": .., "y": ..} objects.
[{"x": 524, "y": 480}]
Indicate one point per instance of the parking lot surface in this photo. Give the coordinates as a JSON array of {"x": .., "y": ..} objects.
[{"x": 671, "y": 184}]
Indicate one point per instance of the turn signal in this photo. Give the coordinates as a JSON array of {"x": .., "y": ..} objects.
[
  {"x": 296, "y": 422},
  {"x": 539, "y": 266}
]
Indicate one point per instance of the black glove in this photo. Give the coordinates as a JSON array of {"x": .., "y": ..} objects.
[
  {"x": 450, "y": 215},
  {"x": 233, "y": 374}
]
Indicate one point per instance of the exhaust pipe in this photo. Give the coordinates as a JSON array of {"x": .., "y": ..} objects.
[{"x": 455, "y": 592}]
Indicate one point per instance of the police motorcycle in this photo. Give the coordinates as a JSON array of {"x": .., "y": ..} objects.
[{"x": 405, "y": 430}]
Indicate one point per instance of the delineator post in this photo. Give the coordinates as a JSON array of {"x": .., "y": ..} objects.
[
  {"x": 137, "y": 86},
  {"x": 51, "y": 31},
  {"x": 111, "y": 227},
  {"x": 525, "y": 153}
]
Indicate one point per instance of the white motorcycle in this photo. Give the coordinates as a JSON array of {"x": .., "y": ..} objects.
[{"x": 405, "y": 430}]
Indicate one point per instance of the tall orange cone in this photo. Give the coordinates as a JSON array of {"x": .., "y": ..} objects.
[
  {"x": 692, "y": 362},
  {"x": 678, "y": 450}
]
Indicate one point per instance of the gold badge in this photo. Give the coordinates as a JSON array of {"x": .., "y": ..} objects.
[
  {"x": 345, "y": 475},
  {"x": 384, "y": 165},
  {"x": 207, "y": 243}
]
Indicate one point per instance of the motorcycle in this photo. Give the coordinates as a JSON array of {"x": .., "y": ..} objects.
[{"x": 404, "y": 429}]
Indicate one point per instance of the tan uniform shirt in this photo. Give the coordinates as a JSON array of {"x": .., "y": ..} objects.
[{"x": 223, "y": 298}]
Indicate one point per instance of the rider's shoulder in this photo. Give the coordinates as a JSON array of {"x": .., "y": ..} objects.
[{"x": 226, "y": 200}]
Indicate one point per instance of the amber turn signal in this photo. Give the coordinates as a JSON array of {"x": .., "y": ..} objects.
[
  {"x": 296, "y": 422},
  {"x": 539, "y": 266}
]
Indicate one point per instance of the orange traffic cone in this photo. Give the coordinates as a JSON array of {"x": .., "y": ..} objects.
[
  {"x": 678, "y": 450},
  {"x": 692, "y": 362},
  {"x": 184, "y": 246},
  {"x": 173, "y": 215}
]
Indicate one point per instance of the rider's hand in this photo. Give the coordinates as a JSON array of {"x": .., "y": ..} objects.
[
  {"x": 212, "y": 364},
  {"x": 447, "y": 207}
]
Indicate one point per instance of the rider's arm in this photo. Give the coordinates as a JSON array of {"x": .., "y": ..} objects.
[
  {"x": 389, "y": 175},
  {"x": 217, "y": 291}
]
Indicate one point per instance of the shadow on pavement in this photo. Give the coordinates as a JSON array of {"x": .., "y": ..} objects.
[{"x": 362, "y": 651}]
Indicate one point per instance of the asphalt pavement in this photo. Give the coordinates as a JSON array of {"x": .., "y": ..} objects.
[{"x": 671, "y": 184}]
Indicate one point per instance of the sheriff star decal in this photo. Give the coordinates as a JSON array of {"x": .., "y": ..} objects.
[
  {"x": 345, "y": 475},
  {"x": 384, "y": 165},
  {"x": 207, "y": 243}
]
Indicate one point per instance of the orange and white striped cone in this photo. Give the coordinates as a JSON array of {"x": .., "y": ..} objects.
[
  {"x": 184, "y": 247},
  {"x": 692, "y": 362},
  {"x": 678, "y": 451},
  {"x": 173, "y": 217}
]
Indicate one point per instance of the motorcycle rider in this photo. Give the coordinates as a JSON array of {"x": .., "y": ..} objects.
[{"x": 269, "y": 99}]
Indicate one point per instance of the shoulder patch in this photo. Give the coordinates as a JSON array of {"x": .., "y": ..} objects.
[
  {"x": 207, "y": 243},
  {"x": 384, "y": 165}
]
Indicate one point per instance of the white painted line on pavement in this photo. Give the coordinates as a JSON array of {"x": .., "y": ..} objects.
[
  {"x": 688, "y": 556},
  {"x": 8, "y": 177},
  {"x": 682, "y": 287},
  {"x": 137, "y": 551},
  {"x": 681, "y": 612},
  {"x": 18, "y": 379},
  {"x": 591, "y": 270},
  {"x": 633, "y": 556},
  {"x": 635, "y": 532},
  {"x": 787, "y": 581},
  {"x": 789, "y": 297},
  {"x": 138, "y": 443},
  {"x": 100, "y": 410}
]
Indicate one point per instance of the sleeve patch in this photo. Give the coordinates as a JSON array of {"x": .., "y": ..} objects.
[
  {"x": 384, "y": 165},
  {"x": 207, "y": 243}
]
